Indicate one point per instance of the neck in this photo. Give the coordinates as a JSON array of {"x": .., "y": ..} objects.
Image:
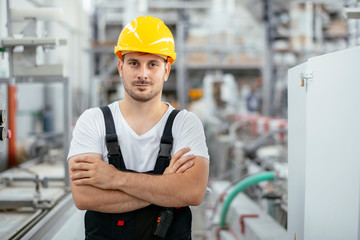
[
  {"x": 140, "y": 116},
  {"x": 150, "y": 109}
]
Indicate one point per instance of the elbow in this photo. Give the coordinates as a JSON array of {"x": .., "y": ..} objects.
[
  {"x": 196, "y": 198},
  {"x": 195, "y": 202},
  {"x": 81, "y": 203}
]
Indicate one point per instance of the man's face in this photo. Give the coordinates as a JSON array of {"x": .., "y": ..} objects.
[{"x": 143, "y": 75}]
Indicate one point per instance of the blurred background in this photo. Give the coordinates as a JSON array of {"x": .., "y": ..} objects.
[{"x": 232, "y": 66}]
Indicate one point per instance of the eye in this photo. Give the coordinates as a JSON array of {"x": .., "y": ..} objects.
[
  {"x": 132, "y": 63},
  {"x": 154, "y": 64}
]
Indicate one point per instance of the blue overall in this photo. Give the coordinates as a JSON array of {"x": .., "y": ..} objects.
[{"x": 139, "y": 224}]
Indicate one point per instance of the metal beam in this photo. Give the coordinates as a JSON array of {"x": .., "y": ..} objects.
[
  {"x": 67, "y": 126},
  {"x": 268, "y": 63},
  {"x": 36, "y": 79},
  {"x": 31, "y": 41},
  {"x": 30, "y": 202},
  {"x": 160, "y": 4},
  {"x": 352, "y": 13},
  {"x": 223, "y": 67},
  {"x": 51, "y": 220},
  {"x": 180, "y": 65},
  {"x": 180, "y": 4}
]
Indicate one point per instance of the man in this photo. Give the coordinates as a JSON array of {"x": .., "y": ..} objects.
[{"x": 131, "y": 203}]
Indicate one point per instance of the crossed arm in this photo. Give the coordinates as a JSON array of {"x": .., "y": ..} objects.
[{"x": 99, "y": 186}]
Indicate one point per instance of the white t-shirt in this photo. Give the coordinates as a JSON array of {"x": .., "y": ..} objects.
[{"x": 139, "y": 151}]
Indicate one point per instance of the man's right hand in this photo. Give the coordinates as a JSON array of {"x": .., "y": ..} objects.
[{"x": 180, "y": 163}]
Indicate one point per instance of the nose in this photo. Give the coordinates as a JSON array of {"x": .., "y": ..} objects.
[{"x": 143, "y": 72}]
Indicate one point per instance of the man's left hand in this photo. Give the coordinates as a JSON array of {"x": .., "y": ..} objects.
[{"x": 93, "y": 171}]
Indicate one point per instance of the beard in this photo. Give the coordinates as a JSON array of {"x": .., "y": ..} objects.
[{"x": 141, "y": 95}]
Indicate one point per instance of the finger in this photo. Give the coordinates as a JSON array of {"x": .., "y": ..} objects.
[
  {"x": 181, "y": 152},
  {"x": 178, "y": 155},
  {"x": 80, "y": 167},
  {"x": 185, "y": 167},
  {"x": 85, "y": 159},
  {"x": 83, "y": 181},
  {"x": 183, "y": 160},
  {"x": 80, "y": 175},
  {"x": 168, "y": 170}
]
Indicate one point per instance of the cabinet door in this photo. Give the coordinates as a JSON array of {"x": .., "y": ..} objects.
[
  {"x": 333, "y": 146},
  {"x": 296, "y": 151}
]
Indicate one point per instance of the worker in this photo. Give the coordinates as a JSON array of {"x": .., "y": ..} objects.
[{"x": 159, "y": 162}]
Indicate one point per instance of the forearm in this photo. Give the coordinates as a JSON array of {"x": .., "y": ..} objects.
[
  {"x": 89, "y": 197},
  {"x": 161, "y": 190},
  {"x": 108, "y": 201},
  {"x": 170, "y": 190},
  {"x": 182, "y": 184}
]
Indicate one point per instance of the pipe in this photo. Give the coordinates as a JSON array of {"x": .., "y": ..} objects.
[
  {"x": 241, "y": 186},
  {"x": 12, "y": 125},
  {"x": 11, "y": 98}
]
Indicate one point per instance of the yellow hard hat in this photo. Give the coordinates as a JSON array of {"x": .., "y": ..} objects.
[{"x": 146, "y": 34}]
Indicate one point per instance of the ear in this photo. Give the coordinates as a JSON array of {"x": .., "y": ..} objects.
[
  {"x": 167, "y": 71},
  {"x": 119, "y": 65}
]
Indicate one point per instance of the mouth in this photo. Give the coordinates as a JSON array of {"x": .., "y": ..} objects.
[{"x": 141, "y": 86}]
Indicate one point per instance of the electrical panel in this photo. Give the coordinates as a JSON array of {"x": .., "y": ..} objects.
[{"x": 323, "y": 150}]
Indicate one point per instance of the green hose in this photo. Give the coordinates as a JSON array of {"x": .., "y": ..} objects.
[{"x": 241, "y": 186}]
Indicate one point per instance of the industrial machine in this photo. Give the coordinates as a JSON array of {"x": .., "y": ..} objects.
[
  {"x": 34, "y": 195},
  {"x": 35, "y": 203},
  {"x": 248, "y": 168}
]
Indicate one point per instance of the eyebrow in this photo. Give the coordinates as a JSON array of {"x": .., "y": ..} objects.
[
  {"x": 131, "y": 60},
  {"x": 136, "y": 60}
]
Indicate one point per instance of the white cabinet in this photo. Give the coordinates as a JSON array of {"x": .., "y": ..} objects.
[{"x": 324, "y": 147}]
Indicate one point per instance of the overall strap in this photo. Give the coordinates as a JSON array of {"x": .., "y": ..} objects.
[
  {"x": 111, "y": 139},
  {"x": 166, "y": 144}
]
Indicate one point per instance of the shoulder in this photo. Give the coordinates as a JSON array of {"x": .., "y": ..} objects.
[
  {"x": 96, "y": 113},
  {"x": 187, "y": 115},
  {"x": 186, "y": 118},
  {"x": 93, "y": 118},
  {"x": 183, "y": 113},
  {"x": 188, "y": 131},
  {"x": 89, "y": 115},
  {"x": 88, "y": 133}
]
